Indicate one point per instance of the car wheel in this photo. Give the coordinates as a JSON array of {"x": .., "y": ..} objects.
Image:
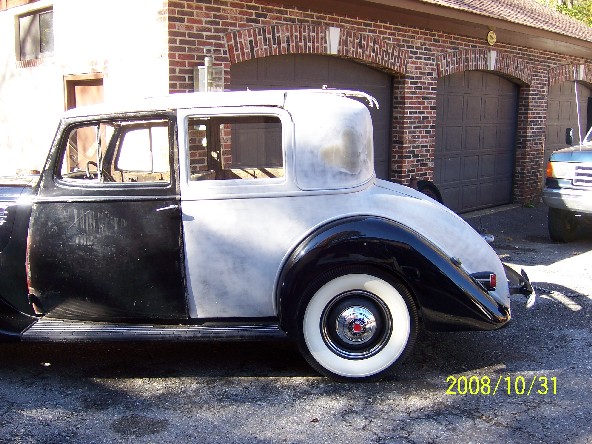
[
  {"x": 357, "y": 326},
  {"x": 563, "y": 225},
  {"x": 429, "y": 189}
]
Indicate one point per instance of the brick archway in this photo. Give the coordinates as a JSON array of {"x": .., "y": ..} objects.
[
  {"x": 564, "y": 73},
  {"x": 264, "y": 41},
  {"x": 485, "y": 59}
]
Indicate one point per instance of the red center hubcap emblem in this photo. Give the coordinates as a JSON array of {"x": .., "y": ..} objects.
[{"x": 357, "y": 327}]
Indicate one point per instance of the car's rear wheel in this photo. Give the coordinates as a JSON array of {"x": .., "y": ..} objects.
[
  {"x": 563, "y": 225},
  {"x": 357, "y": 326}
]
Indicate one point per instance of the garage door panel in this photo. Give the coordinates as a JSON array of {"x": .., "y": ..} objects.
[
  {"x": 491, "y": 106},
  {"x": 247, "y": 70},
  {"x": 451, "y": 168},
  {"x": 470, "y": 195},
  {"x": 452, "y": 196},
  {"x": 567, "y": 109},
  {"x": 316, "y": 69},
  {"x": 488, "y": 145},
  {"x": 456, "y": 83},
  {"x": 276, "y": 71},
  {"x": 356, "y": 73},
  {"x": 438, "y": 171},
  {"x": 505, "y": 136},
  {"x": 490, "y": 137},
  {"x": 454, "y": 106},
  {"x": 473, "y": 106},
  {"x": 473, "y": 81},
  {"x": 470, "y": 167},
  {"x": 472, "y": 140},
  {"x": 503, "y": 166},
  {"x": 552, "y": 135},
  {"x": 453, "y": 139},
  {"x": 487, "y": 166},
  {"x": 553, "y": 110}
]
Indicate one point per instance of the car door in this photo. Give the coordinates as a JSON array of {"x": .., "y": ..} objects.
[
  {"x": 105, "y": 234},
  {"x": 235, "y": 180}
]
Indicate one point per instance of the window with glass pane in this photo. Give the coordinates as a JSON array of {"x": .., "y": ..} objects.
[
  {"x": 36, "y": 34},
  {"x": 235, "y": 147},
  {"x": 117, "y": 151}
]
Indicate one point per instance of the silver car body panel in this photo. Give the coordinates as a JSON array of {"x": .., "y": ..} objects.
[{"x": 225, "y": 222}]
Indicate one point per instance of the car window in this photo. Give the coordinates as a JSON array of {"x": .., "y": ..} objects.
[
  {"x": 117, "y": 152},
  {"x": 235, "y": 147}
]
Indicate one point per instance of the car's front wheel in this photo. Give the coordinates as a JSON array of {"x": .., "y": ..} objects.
[
  {"x": 562, "y": 224},
  {"x": 357, "y": 326}
]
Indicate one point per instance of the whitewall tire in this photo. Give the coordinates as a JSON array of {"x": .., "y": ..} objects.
[{"x": 357, "y": 326}]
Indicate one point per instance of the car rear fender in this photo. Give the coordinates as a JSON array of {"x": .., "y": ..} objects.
[{"x": 447, "y": 297}]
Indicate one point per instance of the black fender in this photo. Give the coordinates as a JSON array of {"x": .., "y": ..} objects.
[
  {"x": 13, "y": 271},
  {"x": 12, "y": 322},
  {"x": 447, "y": 297}
]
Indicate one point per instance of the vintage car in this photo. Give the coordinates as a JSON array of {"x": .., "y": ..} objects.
[
  {"x": 238, "y": 215},
  {"x": 568, "y": 190}
]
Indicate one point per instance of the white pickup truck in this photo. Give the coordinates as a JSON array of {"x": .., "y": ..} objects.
[{"x": 568, "y": 190}]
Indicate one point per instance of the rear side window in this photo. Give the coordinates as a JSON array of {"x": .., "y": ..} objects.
[
  {"x": 235, "y": 147},
  {"x": 117, "y": 152}
]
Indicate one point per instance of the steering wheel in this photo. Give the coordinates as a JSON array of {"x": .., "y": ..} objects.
[
  {"x": 106, "y": 176},
  {"x": 88, "y": 173}
]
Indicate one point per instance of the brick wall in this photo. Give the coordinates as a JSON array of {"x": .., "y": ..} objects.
[{"x": 234, "y": 31}]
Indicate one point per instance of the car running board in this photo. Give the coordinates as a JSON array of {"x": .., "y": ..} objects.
[{"x": 52, "y": 330}]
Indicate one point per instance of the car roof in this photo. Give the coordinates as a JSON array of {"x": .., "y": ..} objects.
[
  {"x": 181, "y": 101},
  {"x": 274, "y": 98}
]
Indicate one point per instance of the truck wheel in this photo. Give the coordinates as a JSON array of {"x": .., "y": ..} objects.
[
  {"x": 357, "y": 326},
  {"x": 562, "y": 224},
  {"x": 429, "y": 189}
]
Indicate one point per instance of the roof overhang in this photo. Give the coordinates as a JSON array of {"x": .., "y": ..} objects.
[{"x": 432, "y": 17}]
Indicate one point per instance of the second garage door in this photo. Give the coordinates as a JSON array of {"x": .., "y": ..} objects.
[
  {"x": 475, "y": 138},
  {"x": 314, "y": 71}
]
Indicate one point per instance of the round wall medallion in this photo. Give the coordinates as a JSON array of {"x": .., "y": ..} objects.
[{"x": 491, "y": 38}]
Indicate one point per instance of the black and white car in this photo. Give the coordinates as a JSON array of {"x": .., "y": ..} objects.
[{"x": 238, "y": 215}]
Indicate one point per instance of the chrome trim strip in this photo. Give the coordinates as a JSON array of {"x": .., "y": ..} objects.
[{"x": 75, "y": 331}]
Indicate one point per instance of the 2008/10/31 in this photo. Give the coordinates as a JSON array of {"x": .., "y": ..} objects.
[{"x": 518, "y": 385}]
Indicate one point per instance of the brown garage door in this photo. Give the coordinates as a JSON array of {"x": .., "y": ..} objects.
[
  {"x": 475, "y": 135},
  {"x": 563, "y": 114},
  {"x": 314, "y": 71}
]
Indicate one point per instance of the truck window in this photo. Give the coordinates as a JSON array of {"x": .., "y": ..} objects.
[
  {"x": 235, "y": 147},
  {"x": 117, "y": 151}
]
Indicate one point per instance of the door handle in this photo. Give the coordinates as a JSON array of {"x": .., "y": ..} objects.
[{"x": 168, "y": 207}]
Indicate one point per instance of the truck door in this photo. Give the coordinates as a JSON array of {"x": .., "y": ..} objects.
[{"x": 105, "y": 234}]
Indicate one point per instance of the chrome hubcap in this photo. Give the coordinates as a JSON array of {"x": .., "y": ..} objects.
[{"x": 356, "y": 325}]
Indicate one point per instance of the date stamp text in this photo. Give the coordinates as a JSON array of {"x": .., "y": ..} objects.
[{"x": 536, "y": 385}]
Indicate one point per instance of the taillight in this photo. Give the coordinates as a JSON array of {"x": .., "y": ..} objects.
[{"x": 487, "y": 279}]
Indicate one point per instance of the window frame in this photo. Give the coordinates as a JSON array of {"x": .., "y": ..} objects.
[
  {"x": 90, "y": 185},
  {"x": 35, "y": 14},
  {"x": 233, "y": 188}
]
